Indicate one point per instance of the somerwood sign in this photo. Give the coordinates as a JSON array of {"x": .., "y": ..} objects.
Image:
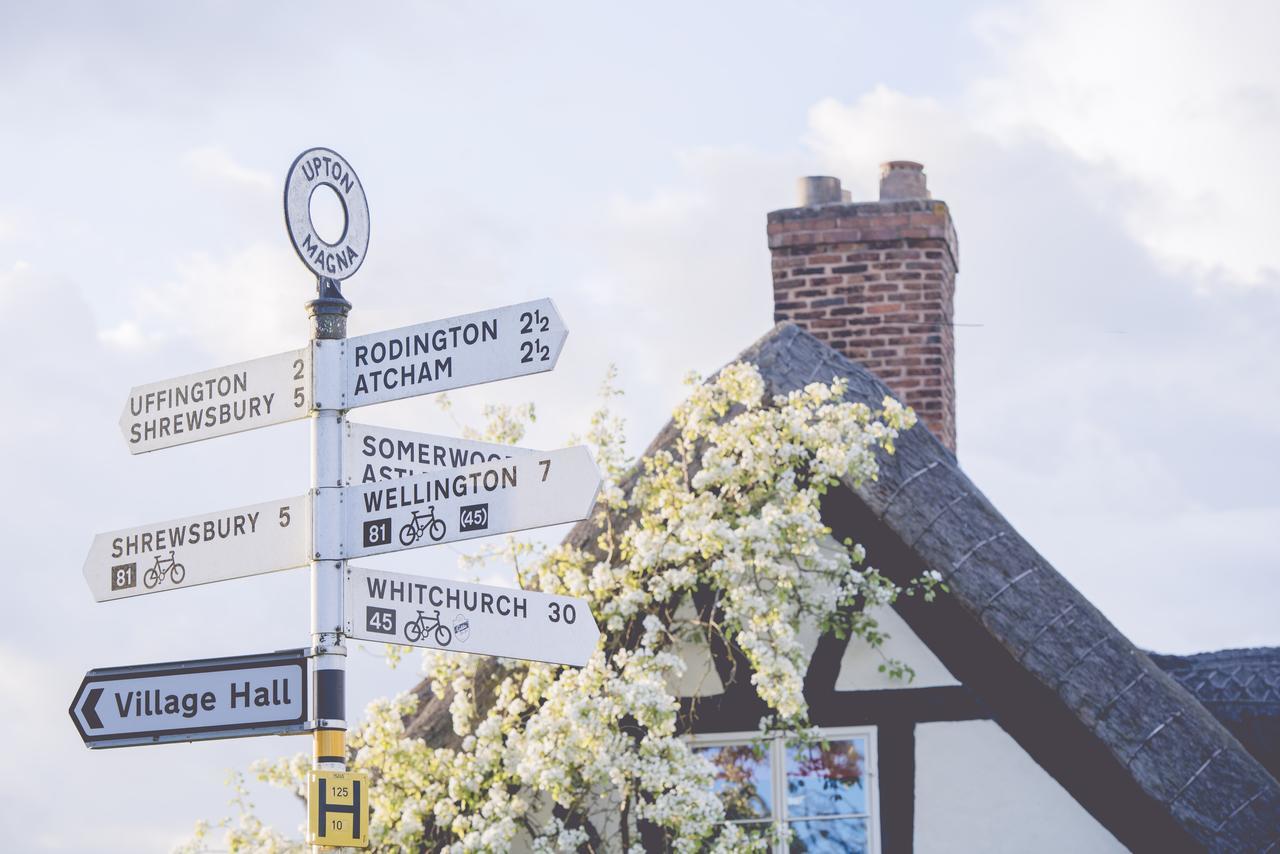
[{"x": 373, "y": 490}]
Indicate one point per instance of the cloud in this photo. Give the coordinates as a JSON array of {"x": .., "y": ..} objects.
[
  {"x": 687, "y": 263},
  {"x": 1109, "y": 402},
  {"x": 214, "y": 164},
  {"x": 233, "y": 306},
  {"x": 1175, "y": 104},
  {"x": 9, "y": 228}
]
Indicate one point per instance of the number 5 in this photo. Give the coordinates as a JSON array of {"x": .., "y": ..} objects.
[{"x": 284, "y": 517}]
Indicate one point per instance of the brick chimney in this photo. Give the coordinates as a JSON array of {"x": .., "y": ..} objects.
[{"x": 875, "y": 280}]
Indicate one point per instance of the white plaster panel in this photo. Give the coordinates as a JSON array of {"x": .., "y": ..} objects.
[
  {"x": 859, "y": 669},
  {"x": 978, "y": 790},
  {"x": 700, "y": 678}
]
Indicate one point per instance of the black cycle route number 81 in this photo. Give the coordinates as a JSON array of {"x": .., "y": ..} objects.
[{"x": 377, "y": 532}]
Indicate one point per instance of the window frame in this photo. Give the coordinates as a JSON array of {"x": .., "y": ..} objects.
[{"x": 776, "y": 754}]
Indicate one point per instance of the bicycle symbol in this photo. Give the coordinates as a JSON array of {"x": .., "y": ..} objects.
[
  {"x": 421, "y": 627},
  {"x": 164, "y": 567},
  {"x": 415, "y": 527}
]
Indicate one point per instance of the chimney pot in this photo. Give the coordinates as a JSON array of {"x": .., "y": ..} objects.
[
  {"x": 876, "y": 282},
  {"x": 819, "y": 190},
  {"x": 902, "y": 179}
]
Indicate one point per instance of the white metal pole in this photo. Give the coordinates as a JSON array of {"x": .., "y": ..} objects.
[{"x": 329, "y": 654}]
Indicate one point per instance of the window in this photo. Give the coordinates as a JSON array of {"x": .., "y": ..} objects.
[{"x": 819, "y": 799}]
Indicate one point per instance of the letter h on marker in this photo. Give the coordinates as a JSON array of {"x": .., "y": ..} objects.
[{"x": 353, "y": 808}]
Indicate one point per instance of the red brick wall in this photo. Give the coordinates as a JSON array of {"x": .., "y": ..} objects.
[{"x": 876, "y": 280}]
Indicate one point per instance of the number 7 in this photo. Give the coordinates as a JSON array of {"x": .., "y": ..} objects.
[{"x": 546, "y": 468}]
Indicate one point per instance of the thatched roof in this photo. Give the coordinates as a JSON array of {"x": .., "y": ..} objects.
[
  {"x": 1242, "y": 689},
  {"x": 1129, "y": 742}
]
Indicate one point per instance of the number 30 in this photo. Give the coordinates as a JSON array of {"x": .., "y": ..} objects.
[{"x": 558, "y": 612}]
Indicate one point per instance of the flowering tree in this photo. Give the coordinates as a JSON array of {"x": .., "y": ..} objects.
[{"x": 591, "y": 758}]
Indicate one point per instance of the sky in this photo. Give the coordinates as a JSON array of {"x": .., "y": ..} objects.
[{"x": 1110, "y": 168}]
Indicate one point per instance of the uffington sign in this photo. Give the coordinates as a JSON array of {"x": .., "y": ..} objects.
[{"x": 258, "y": 393}]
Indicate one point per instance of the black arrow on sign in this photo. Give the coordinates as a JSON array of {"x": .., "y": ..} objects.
[{"x": 89, "y": 709}]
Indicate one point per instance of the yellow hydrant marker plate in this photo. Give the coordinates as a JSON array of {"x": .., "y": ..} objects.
[{"x": 338, "y": 808}]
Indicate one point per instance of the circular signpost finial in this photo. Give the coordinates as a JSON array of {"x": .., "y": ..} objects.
[{"x": 314, "y": 168}]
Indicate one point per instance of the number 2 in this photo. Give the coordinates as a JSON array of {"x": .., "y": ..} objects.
[{"x": 299, "y": 396}]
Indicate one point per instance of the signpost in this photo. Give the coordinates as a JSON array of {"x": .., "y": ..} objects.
[
  {"x": 199, "y": 549},
  {"x": 392, "y": 607},
  {"x": 193, "y": 700},
  {"x": 478, "y": 501},
  {"x": 460, "y": 351},
  {"x": 373, "y": 490},
  {"x": 259, "y": 393},
  {"x": 371, "y": 454}
]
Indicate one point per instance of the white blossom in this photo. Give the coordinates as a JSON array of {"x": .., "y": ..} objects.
[{"x": 557, "y": 754}]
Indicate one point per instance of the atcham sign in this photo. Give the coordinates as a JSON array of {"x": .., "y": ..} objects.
[{"x": 446, "y": 354}]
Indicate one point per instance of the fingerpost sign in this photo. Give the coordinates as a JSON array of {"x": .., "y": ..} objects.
[{"x": 372, "y": 490}]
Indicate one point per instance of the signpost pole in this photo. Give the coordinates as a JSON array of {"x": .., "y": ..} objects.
[{"x": 328, "y": 333}]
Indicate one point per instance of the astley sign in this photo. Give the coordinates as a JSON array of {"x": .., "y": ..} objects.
[
  {"x": 429, "y": 612},
  {"x": 198, "y": 549},
  {"x": 450, "y": 505},
  {"x": 372, "y": 454},
  {"x": 399, "y": 490},
  {"x": 193, "y": 700}
]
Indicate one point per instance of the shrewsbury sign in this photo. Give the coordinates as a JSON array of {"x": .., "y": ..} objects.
[
  {"x": 193, "y": 700},
  {"x": 198, "y": 549}
]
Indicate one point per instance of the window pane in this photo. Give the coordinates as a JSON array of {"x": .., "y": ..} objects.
[
  {"x": 829, "y": 836},
  {"x": 742, "y": 780},
  {"x": 827, "y": 782}
]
